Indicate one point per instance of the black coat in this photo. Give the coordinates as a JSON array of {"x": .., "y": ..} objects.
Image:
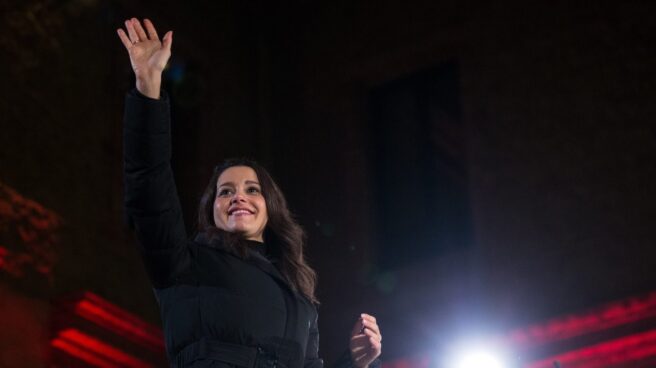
[{"x": 204, "y": 292}]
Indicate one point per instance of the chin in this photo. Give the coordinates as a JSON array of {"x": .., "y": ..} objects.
[{"x": 241, "y": 230}]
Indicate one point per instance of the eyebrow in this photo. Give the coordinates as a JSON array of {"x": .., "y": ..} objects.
[{"x": 233, "y": 184}]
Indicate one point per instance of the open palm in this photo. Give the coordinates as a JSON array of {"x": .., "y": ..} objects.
[{"x": 148, "y": 55}]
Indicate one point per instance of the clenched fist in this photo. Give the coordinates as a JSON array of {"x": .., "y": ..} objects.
[{"x": 365, "y": 344}]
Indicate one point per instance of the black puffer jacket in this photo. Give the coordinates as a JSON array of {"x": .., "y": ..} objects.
[{"x": 217, "y": 309}]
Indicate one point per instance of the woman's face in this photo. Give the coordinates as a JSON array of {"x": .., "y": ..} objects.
[{"x": 239, "y": 205}]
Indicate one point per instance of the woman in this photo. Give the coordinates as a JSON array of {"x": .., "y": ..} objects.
[{"x": 240, "y": 294}]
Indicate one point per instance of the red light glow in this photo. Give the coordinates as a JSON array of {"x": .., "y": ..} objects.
[
  {"x": 94, "y": 351},
  {"x": 623, "y": 350},
  {"x": 119, "y": 321},
  {"x": 609, "y": 316},
  {"x": 81, "y": 353},
  {"x": 28, "y": 232}
]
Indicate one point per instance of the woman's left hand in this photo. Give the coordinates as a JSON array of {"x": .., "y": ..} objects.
[{"x": 365, "y": 344}]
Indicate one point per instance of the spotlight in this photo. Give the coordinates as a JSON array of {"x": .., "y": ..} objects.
[
  {"x": 477, "y": 353},
  {"x": 479, "y": 359}
]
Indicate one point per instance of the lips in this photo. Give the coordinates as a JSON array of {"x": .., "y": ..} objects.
[{"x": 239, "y": 211}]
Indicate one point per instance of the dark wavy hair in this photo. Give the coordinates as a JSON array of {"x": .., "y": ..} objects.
[{"x": 284, "y": 237}]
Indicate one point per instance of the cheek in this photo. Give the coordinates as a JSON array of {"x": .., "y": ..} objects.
[
  {"x": 264, "y": 211},
  {"x": 218, "y": 212}
]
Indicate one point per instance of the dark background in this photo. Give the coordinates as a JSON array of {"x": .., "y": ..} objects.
[{"x": 547, "y": 166}]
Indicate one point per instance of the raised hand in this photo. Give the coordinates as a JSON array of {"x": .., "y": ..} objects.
[
  {"x": 365, "y": 342},
  {"x": 148, "y": 55}
]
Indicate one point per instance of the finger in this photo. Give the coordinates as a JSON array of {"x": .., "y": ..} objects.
[
  {"x": 360, "y": 357},
  {"x": 358, "y": 349},
  {"x": 375, "y": 345},
  {"x": 373, "y": 334},
  {"x": 366, "y": 317},
  {"x": 372, "y": 351},
  {"x": 370, "y": 325},
  {"x": 140, "y": 31},
  {"x": 168, "y": 40},
  {"x": 359, "y": 343},
  {"x": 365, "y": 357},
  {"x": 152, "y": 33},
  {"x": 357, "y": 327},
  {"x": 370, "y": 333},
  {"x": 124, "y": 38},
  {"x": 366, "y": 340},
  {"x": 131, "y": 32},
  {"x": 359, "y": 339},
  {"x": 369, "y": 351}
]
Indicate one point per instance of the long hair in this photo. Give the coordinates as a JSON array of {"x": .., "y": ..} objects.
[{"x": 283, "y": 235}]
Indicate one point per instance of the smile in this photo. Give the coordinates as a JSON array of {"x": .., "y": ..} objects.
[{"x": 240, "y": 212}]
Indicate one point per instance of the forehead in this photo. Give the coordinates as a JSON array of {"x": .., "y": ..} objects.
[{"x": 237, "y": 175}]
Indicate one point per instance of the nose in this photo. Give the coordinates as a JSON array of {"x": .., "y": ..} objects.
[{"x": 238, "y": 197}]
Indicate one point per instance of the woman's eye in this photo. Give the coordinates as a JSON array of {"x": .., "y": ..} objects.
[
  {"x": 253, "y": 190},
  {"x": 224, "y": 192}
]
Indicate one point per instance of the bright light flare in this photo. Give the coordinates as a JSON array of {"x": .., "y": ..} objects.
[
  {"x": 479, "y": 359},
  {"x": 478, "y": 353}
]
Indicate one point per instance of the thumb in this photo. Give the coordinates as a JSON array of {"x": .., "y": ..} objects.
[{"x": 167, "y": 40}]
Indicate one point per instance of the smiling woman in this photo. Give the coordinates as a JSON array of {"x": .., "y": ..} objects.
[
  {"x": 239, "y": 206},
  {"x": 240, "y": 294},
  {"x": 243, "y": 202}
]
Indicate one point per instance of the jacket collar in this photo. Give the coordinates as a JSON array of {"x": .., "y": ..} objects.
[{"x": 254, "y": 257}]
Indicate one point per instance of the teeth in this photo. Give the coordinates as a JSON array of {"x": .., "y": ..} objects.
[{"x": 240, "y": 212}]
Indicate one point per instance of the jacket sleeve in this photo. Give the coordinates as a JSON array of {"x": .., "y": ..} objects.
[
  {"x": 345, "y": 361},
  {"x": 312, "y": 359},
  {"x": 151, "y": 201}
]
